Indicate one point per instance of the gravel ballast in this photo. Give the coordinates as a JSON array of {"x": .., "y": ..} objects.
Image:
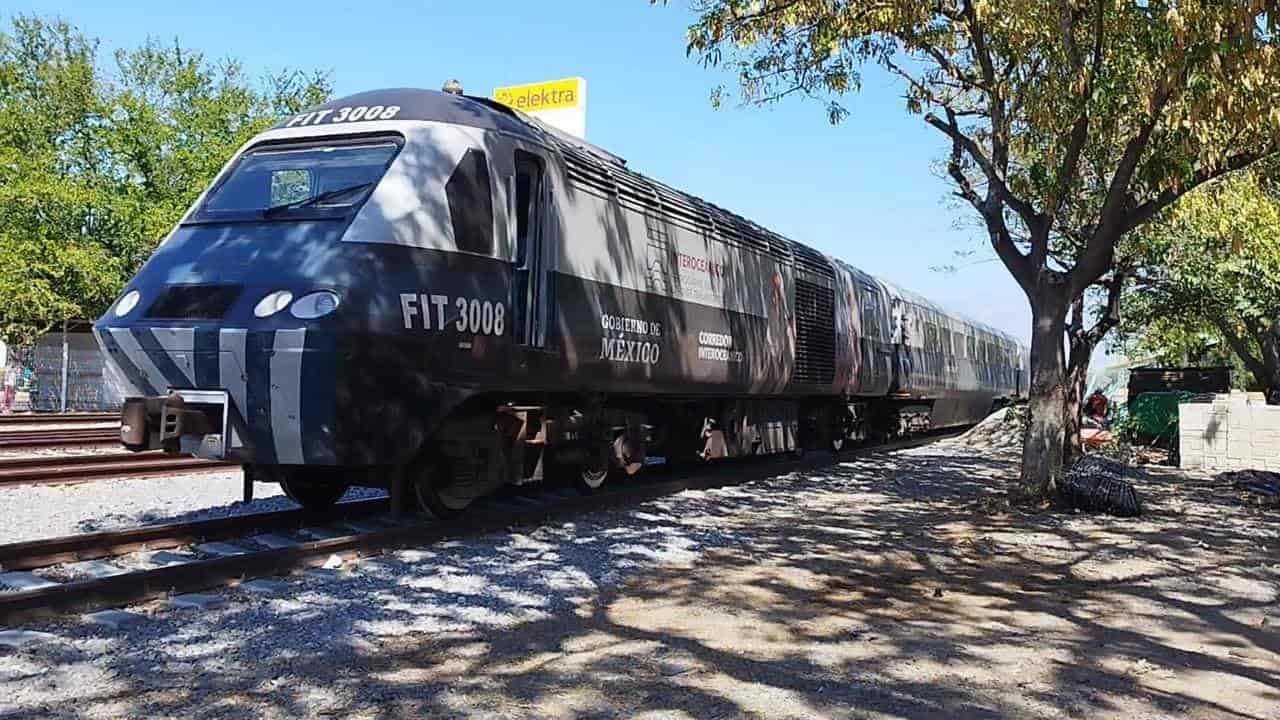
[
  {"x": 878, "y": 588},
  {"x": 32, "y": 512}
]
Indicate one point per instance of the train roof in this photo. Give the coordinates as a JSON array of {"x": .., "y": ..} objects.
[
  {"x": 433, "y": 105},
  {"x": 918, "y": 299},
  {"x": 486, "y": 114}
]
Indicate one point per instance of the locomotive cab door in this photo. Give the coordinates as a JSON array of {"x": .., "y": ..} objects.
[{"x": 529, "y": 301}]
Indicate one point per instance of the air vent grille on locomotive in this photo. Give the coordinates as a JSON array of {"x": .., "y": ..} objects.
[
  {"x": 194, "y": 302},
  {"x": 812, "y": 261},
  {"x": 815, "y": 334}
]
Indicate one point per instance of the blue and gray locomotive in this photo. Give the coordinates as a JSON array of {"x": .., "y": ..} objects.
[{"x": 429, "y": 286}]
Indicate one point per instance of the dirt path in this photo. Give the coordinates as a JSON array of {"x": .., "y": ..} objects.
[
  {"x": 891, "y": 594},
  {"x": 884, "y": 588}
]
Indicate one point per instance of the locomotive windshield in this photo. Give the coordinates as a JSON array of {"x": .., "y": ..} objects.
[{"x": 299, "y": 181}]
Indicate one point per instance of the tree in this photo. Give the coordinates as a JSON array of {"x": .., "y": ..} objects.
[
  {"x": 1166, "y": 341},
  {"x": 1082, "y": 340},
  {"x": 1068, "y": 119},
  {"x": 1215, "y": 276},
  {"x": 95, "y": 166}
]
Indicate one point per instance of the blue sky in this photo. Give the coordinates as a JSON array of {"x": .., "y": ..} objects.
[{"x": 867, "y": 190}]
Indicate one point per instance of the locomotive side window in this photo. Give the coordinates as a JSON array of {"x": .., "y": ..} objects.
[
  {"x": 471, "y": 204},
  {"x": 870, "y": 304},
  {"x": 529, "y": 301},
  {"x": 528, "y": 171}
]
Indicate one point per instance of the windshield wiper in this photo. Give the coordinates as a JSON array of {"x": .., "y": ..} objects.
[{"x": 327, "y": 195}]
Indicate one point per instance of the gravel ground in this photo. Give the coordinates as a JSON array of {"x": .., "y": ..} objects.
[
  {"x": 32, "y": 512},
  {"x": 883, "y": 587},
  {"x": 1000, "y": 432}
]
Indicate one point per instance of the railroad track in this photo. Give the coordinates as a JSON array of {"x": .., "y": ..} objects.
[
  {"x": 64, "y": 469},
  {"x": 56, "y": 437},
  {"x": 58, "y": 429},
  {"x": 61, "y": 418},
  {"x": 314, "y": 545},
  {"x": 36, "y": 554}
]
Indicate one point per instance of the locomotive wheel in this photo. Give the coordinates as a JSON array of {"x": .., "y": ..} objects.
[
  {"x": 436, "y": 492},
  {"x": 312, "y": 491},
  {"x": 593, "y": 473}
]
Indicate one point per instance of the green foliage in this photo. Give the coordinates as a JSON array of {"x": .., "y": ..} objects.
[
  {"x": 1179, "y": 341},
  {"x": 98, "y": 161},
  {"x": 1024, "y": 73},
  {"x": 1211, "y": 292}
]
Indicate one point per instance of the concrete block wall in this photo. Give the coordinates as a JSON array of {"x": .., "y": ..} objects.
[{"x": 1239, "y": 431}]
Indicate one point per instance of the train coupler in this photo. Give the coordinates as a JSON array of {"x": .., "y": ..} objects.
[{"x": 192, "y": 422}]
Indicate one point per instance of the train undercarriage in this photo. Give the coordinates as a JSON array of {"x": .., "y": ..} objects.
[{"x": 583, "y": 441}]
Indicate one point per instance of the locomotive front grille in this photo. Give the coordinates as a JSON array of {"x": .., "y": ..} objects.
[{"x": 194, "y": 302}]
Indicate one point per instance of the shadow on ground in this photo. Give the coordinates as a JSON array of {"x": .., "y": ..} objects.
[{"x": 879, "y": 588}]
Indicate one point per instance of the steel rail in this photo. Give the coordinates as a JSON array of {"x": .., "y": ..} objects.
[
  {"x": 56, "y": 469},
  {"x": 54, "y": 437},
  {"x": 142, "y": 585},
  {"x": 34, "y": 554},
  {"x": 48, "y": 418}
]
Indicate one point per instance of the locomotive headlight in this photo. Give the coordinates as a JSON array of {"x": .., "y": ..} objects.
[
  {"x": 315, "y": 305},
  {"x": 127, "y": 303},
  {"x": 272, "y": 303}
]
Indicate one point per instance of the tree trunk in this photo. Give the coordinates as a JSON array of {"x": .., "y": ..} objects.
[
  {"x": 1264, "y": 365},
  {"x": 1078, "y": 357},
  {"x": 1269, "y": 340},
  {"x": 1046, "y": 400}
]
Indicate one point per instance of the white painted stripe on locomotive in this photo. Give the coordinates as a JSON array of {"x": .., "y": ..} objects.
[
  {"x": 116, "y": 375},
  {"x": 180, "y": 344},
  {"x": 409, "y": 206},
  {"x": 139, "y": 357},
  {"x": 286, "y": 395},
  {"x": 231, "y": 375},
  {"x": 119, "y": 377}
]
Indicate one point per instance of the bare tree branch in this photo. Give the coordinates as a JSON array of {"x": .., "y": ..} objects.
[
  {"x": 1241, "y": 349},
  {"x": 1079, "y": 133},
  {"x": 994, "y": 176},
  {"x": 991, "y": 209},
  {"x": 1110, "y": 317},
  {"x": 1100, "y": 250}
]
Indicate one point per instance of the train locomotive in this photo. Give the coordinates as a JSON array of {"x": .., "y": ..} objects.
[{"x": 433, "y": 291}]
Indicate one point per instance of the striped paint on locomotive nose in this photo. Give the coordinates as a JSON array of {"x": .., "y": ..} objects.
[
  {"x": 131, "y": 346},
  {"x": 229, "y": 376},
  {"x": 127, "y": 369},
  {"x": 286, "y": 396},
  {"x": 262, "y": 371},
  {"x": 170, "y": 349}
]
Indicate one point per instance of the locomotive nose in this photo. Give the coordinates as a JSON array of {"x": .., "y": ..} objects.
[{"x": 249, "y": 394}]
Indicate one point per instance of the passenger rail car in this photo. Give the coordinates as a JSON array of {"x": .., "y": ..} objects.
[{"x": 407, "y": 283}]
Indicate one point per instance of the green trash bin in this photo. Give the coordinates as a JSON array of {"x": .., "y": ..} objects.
[{"x": 1153, "y": 416}]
